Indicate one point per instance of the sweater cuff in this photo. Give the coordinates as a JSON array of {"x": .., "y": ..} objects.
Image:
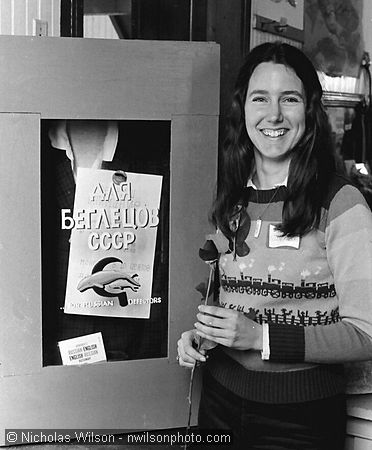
[
  {"x": 265, "y": 354},
  {"x": 287, "y": 343}
]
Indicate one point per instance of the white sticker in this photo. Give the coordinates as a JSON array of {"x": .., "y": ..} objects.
[
  {"x": 277, "y": 239},
  {"x": 86, "y": 349}
]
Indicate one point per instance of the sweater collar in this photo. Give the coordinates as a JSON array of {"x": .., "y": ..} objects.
[
  {"x": 254, "y": 195},
  {"x": 253, "y": 186}
]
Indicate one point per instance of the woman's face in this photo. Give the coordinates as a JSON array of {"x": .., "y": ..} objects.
[{"x": 275, "y": 110}]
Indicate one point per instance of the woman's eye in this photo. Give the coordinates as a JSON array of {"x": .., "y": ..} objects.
[
  {"x": 290, "y": 99},
  {"x": 258, "y": 99}
]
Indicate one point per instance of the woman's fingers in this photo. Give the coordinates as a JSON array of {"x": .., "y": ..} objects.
[
  {"x": 229, "y": 328},
  {"x": 212, "y": 337},
  {"x": 188, "y": 355},
  {"x": 210, "y": 330},
  {"x": 217, "y": 311},
  {"x": 210, "y": 321}
]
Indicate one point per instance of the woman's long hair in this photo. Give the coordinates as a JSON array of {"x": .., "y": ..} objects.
[{"x": 312, "y": 162}]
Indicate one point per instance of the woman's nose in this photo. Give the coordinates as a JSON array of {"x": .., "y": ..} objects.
[{"x": 275, "y": 113}]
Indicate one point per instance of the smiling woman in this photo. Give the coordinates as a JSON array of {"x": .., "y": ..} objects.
[{"x": 295, "y": 302}]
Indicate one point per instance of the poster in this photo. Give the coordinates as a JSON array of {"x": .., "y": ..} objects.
[
  {"x": 334, "y": 36},
  {"x": 113, "y": 235}
]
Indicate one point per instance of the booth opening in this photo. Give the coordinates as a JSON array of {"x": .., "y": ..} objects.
[{"x": 105, "y": 188}]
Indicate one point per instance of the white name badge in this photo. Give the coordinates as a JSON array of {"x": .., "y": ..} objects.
[
  {"x": 86, "y": 349},
  {"x": 277, "y": 239}
]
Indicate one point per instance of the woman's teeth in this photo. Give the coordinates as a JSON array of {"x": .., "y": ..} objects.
[{"x": 274, "y": 133}]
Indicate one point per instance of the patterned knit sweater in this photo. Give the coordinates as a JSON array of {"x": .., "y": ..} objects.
[{"x": 315, "y": 292}]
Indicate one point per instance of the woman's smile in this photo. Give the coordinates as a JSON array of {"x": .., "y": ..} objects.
[{"x": 274, "y": 133}]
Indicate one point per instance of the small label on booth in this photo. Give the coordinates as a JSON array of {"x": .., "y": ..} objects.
[{"x": 86, "y": 349}]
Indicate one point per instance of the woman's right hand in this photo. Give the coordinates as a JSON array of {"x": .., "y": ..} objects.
[{"x": 188, "y": 354}]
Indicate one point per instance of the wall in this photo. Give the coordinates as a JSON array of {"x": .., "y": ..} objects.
[
  {"x": 367, "y": 25},
  {"x": 17, "y": 16}
]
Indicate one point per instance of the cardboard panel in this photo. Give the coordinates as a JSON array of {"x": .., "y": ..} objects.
[
  {"x": 20, "y": 285},
  {"x": 193, "y": 185},
  {"x": 116, "y": 80},
  {"x": 133, "y": 79}
]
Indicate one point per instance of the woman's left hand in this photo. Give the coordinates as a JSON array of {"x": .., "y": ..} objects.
[{"x": 229, "y": 328}]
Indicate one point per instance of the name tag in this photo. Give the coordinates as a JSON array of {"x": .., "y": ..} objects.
[{"x": 277, "y": 239}]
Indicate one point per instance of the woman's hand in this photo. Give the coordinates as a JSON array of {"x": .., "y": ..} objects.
[
  {"x": 188, "y": 354},
  {"x": 229, "y": 328}
]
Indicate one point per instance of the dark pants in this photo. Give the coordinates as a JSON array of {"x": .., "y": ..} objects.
[{"x": 315, "y": 425}]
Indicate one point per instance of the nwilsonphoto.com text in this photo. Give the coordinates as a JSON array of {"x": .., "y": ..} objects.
[{"x": 117, "y": 437}]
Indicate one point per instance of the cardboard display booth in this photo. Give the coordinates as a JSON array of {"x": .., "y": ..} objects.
[{"x": 109, "y": 165}]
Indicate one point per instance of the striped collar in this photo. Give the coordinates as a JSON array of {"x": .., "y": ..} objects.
[{"x": 252, "y": 185}]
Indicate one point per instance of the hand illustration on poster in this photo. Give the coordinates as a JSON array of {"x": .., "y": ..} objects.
[{"x": 114, "y": 227}]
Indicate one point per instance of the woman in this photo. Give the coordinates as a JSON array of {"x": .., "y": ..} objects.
[{"x": 295, "y": 266}]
